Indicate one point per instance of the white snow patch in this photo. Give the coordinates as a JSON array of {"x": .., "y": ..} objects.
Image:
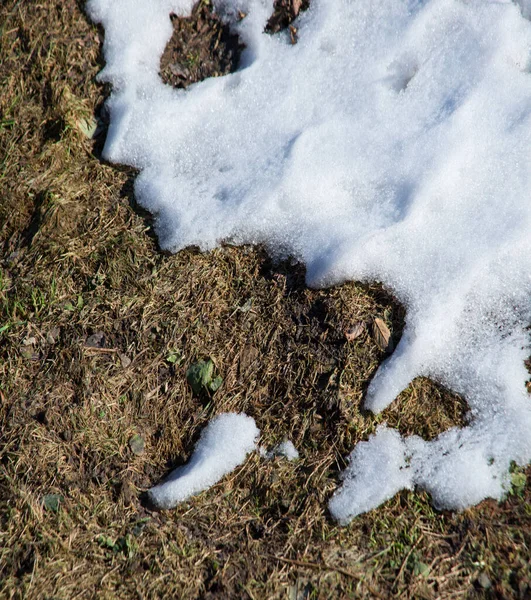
[
  {"x": 391, "y": 143},
  {"x": 285, "y": 449},
  {"x": 377, "y": 470},
  {"x": 224, "y": 445}
]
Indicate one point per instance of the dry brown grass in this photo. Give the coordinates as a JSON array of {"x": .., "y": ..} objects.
[{"x": 79, "y": 259}]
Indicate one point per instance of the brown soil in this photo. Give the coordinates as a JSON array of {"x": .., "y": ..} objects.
[
  {"x": 284, "y": 13},
  {"x": 201, "y": 46}
]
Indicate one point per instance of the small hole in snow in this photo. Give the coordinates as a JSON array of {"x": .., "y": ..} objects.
[{"x": 401, "y": 72}]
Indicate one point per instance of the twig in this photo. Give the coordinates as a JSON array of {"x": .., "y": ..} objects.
[
  {"x": 101, "y": 350},
  {"x": 341, "y": 571},
  {"x": 404, "y": 562}
]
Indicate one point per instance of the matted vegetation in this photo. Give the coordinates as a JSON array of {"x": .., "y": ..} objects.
[{"x": 97, "y": 330}]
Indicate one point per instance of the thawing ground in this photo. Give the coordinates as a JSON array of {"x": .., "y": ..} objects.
[{"x": 391, "y": 143}]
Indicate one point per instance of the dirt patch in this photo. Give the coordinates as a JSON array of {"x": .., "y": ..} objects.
[
  {"x": 201, "y": 46},
  {"x": 284, "y": 13}
]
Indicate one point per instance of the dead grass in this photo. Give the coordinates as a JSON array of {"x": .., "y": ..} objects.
[{"x": 77, "y": 260}]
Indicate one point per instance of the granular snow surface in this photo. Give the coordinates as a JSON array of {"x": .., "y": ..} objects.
[
  {"x": 223, "y": 446},
  {"x": 391, "y": 143}
]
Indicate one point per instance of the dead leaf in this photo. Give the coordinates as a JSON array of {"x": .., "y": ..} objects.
[
  {"x": 124, "y": 359},
  {"x": 88, "y": 126},
  {"x": 127, "y": 492},
  {"x": 354, "y": 332},
  {"x": 382, "y": 335},
  {"x": 296, "y": 7},
  {"x": 248, "y": 357},
  {"x": 293, "y": 34}
]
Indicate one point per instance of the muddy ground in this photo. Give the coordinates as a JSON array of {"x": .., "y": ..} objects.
[{"x": 97, "y": 330}]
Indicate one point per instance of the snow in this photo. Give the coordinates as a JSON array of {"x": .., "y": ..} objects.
[
  {"x": 285, "y": 449},
  {"x": 377, "y": 470},
  {"x": 391, "y": 143},
  {"x": 224, "y": 445}
]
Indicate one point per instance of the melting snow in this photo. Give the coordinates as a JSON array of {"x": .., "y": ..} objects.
[
  {"x": 224, "y": 445},
  {"x": 285, "y": 449},
  {"x": 391, "y": 143}
]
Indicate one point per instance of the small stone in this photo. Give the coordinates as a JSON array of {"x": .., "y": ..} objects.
[
  {"x": 484, "y": 581},
  {"x": 125, "y": 360},
  {"x": 96, "y": 340},
  {"x": 53, "y": 335},
  {"x": 137, "y": 444}
]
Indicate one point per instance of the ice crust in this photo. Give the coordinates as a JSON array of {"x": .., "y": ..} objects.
[
  {"x": 391, "y": 143},
  {"x": 224, "y": 444}
]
